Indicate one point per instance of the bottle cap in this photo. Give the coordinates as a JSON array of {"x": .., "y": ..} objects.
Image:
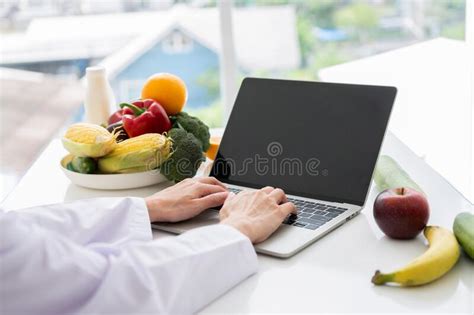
[{"x": 95, "y": 70}]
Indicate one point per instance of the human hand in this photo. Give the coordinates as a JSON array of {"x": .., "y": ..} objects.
[
  {"x": 186, "y": 199},
  {"x": 258, "y": 213}
]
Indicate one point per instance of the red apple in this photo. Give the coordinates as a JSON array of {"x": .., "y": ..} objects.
[{"x": 401, "y": 213}]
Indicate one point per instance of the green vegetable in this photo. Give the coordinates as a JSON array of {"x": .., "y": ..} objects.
[
  {"x": 463, "y": 229},
  {"x": 388, "y": 174},
  {"x": 186, "y": 157},
  {"x": 84, "y": 165},
  {"x": 195, "y": 126},
  {"x": 69, "y": 167}
]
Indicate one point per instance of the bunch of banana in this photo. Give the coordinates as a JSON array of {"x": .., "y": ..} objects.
[{"x": 441, "y": 256}]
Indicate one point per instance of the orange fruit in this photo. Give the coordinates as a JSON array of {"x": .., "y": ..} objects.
[
  {"x": 212, "y": 151},
  {"x": 168, "y": 90}
]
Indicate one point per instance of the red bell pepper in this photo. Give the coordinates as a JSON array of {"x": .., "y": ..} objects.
[
  {"x": 144, "y": 116},
  {"x": 117, "y": 116}
]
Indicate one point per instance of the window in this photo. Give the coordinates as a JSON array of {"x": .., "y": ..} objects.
[
  {"x": 129, "y": 87},
  {"x": 177, "y": 43},
  {"x": 362, "y": 41},
  {"x": 416, "y": 45}
]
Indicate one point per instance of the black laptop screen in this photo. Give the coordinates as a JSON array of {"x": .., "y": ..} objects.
[{"x": 312, "y": 139}]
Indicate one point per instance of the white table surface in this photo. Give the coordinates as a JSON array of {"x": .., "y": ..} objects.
[{"x": 332, "y": 275}]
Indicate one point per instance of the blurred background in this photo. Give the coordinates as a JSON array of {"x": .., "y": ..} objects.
[{"x": 420, "y": 46}]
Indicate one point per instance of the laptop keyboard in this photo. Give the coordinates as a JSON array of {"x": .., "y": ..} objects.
[
  {"x": 234, "y": 190},
  {"x": 311, "y": 215}
]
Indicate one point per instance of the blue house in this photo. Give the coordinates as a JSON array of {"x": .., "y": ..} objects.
[{"x": 178, "y": 53}]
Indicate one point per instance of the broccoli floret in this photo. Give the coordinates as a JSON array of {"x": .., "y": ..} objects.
[
  {"x": 195, "y": 126},
  {"x": 186, "y": 157}
]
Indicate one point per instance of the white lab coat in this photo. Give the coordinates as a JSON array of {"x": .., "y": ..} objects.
[{"x": 97, "y": 256}]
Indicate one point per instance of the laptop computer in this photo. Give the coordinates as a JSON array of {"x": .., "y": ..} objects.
[{"x": 317, "y": 141}]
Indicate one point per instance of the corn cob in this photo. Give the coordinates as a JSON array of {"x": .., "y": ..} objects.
[
  {"x": 88, "y": 140},
  {"x": 138, "y": 154}
]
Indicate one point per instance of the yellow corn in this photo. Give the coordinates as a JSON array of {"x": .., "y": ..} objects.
[
  {"x": 83, "y": 139},
  {"x": 87, "y": 133},
  {"x": 142, "y": 153}
]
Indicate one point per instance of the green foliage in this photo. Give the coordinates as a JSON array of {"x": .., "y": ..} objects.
[
  {"x": 210, "y": 81},
  {"x": 357, "y": 18},
  {"x": 211, "y": 115},
  {"x": 455, "y": 31},
  {"x": 194, "y": 126},
  {"x": 328, "y": 55},
  {"x": 318, "y": 12},
  {"x": 309, "y": 13},
  {"x": 324, "y": 56},
  {"x": 360, "y": 19},
  {"x": 305, "y": 37},
  {"x": 446, "y": 10},
  {"x": 264, "y": 2},
  {"x": 186, "y": 157},
  {"x": 304, "y": 74}
]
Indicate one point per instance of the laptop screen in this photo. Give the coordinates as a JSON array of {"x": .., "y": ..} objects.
[{"x": 312, "y": 139}]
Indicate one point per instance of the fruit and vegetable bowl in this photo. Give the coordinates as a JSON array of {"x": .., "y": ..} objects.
[
  {"x": 111, "y": 181},
  {"x": 144, "y": 142}
]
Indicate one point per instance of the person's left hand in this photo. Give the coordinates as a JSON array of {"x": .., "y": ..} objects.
[{"x": 186, "y": 199}]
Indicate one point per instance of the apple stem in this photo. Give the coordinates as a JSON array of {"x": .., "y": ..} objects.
[{"x": 400, "y": 191}]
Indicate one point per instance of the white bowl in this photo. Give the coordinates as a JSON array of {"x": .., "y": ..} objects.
[{"x": 112, "y": 181}]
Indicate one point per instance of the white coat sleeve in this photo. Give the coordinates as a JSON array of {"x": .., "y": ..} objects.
[
  {"x": 45, "y": 272},
  {"x": 107, "y": 220}
]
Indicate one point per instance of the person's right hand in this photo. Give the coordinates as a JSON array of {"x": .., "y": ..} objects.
[
  {"x": 257, "y": 213},
  {"x": 186, "y": 199}
]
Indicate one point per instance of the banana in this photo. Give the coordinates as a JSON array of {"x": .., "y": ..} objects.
[{"x": 441, "y": 256}]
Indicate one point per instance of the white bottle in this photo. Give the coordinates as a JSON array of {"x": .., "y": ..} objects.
[{"x": 99, "y": 98}]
